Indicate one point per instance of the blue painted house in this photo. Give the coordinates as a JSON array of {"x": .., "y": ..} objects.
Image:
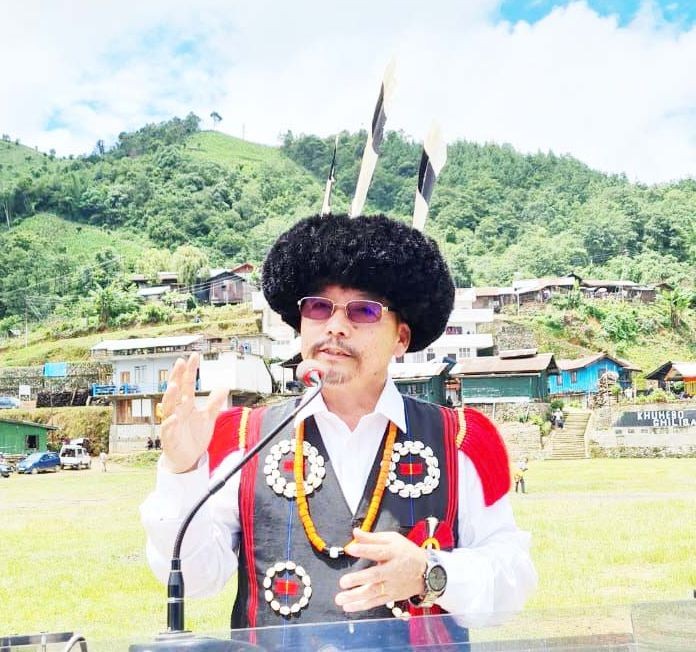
[{"x": 582, "y": 376}]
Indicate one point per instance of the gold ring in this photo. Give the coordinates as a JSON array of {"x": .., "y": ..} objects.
[{"x": 382, "y": 590}]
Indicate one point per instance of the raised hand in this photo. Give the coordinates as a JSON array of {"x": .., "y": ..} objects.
[
  {"x": 396, "y": 575},
  {"x": 186, "y": 429}
]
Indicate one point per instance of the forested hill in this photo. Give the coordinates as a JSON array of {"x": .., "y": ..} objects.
[{"x": 171, "y": 196}]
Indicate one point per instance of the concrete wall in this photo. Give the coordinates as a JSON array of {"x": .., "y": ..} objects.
[
  {"x": 132, "y": 437},
  {"x": 606, "y": 439}
]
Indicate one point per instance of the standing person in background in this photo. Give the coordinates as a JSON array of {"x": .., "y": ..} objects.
[
  {"x": 412, "y": 513},
  {"x": 522, "y": 466},
  {"x": 102, "y": 459}
]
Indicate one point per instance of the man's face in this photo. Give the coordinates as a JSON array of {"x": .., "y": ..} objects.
[{"x": 353, "y": 351}]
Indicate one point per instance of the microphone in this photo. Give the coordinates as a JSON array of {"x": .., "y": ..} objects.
[
  {"x": 310, "y": 373},
  {"x": 175, "y": 584}
]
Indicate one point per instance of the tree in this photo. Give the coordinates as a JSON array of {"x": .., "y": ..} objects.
[
  {"x": 674, "y": 304},
  {"x": 216, "y": 118},
  {"x": 189, "y": 264}
]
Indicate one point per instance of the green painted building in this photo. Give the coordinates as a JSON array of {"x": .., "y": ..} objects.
[
  {"x": 512, "y": 376},
  {"x": 23, "y": 437},
  {"x": 423, "y": 380}
]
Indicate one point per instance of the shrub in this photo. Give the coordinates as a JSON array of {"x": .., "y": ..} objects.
[
  {"x": 556, "y": 404},
  {"x": 656, "y": 396},
  {"x": 620, "y": 326},
  {"x": 153, "y": 313}
]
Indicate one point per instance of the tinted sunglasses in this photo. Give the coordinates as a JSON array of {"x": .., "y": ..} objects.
[{"x": 359, "y": 311}]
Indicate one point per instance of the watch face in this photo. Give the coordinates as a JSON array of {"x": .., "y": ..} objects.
[{"x": 437, "y": 579}]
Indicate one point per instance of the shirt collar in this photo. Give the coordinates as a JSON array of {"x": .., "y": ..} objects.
[{"x": 390, "y": 405}]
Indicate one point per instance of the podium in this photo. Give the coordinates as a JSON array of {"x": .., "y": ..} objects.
[{"x": 652, "y": 627}]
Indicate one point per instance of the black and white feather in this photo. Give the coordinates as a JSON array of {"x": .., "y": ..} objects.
[
  {"x": 432, "y": 161},
  {"x": 374, "y": 140}
]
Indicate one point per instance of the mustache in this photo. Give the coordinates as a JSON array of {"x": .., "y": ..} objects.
[{"x": 330, "y": 343}]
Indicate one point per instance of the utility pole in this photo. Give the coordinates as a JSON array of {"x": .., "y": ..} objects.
[{"x": 26, "y": 324}]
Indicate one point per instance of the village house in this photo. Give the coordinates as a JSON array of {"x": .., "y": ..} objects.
[
  {"x": 141, "y": 369},
  {"x": 625, "y": 290},
  {"x": 511, "y": 377},
  {"x": 461, "y": 338},
  {"x": 540, "y": 290},
  {"x": 493, "y": 297},
  {"x": 582, "y": 375},
  {"x": 222, "y": 286},
  {"x": 18, "y": 437},
  {"x": 285, "y": 343},
  {"x": 425, "y": 380},
  {"x": 675, "y": 372}
]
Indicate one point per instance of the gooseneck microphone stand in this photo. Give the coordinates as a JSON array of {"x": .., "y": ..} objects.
[{"x": 175, "y": 584}]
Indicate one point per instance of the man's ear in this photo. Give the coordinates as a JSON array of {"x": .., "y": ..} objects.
[{"x": 403, "y": 339}]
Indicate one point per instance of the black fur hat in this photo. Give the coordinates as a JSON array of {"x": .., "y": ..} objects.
[{"x": 375, "y": 254}]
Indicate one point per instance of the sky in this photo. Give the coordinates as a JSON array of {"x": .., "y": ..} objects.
[{"x": 611, "y": 83}]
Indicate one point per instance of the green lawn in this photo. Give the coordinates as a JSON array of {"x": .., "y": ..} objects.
[{"x": 606, "y": 533}]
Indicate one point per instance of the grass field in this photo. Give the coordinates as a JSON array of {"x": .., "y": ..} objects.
[{"x": 606, "y": 533}]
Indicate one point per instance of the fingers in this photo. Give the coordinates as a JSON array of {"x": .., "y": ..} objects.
[
  {"x": 396, "y": 574},
  {"x": 216, "y": 401},
  {"x": 376, "y": 546},
  {"x": 367, "y": 596},
  {"x": 181, "y": 386},
  {"x": 188, "y": 385},
  {"x": 171, "y": 394},
  {"x": 371, "y": 575}
]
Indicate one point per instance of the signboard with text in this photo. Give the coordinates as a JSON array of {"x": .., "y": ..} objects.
[{"x": 657, "y": 419}]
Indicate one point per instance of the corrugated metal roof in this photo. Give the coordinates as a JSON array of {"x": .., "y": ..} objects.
[
  {"x": 491, "y": 291},
  {"x": 517, "y": 353},
  {"x": 19, "y": 422},
  {"x": 581, "y": 363},
  {"x": 415, "y": 370},
  {"x": 496, "y": 365},
  {"x": 685, "y": 369},
  {"x": 672, "y": 370},
  {"x": 469, "y": 315},
  {"x": 607, "y": 283},
  {"x": 475, "y": 341},
  {"x": 154, "y": 291},
  {"x": 146, "y": 343},
  {"x": 535, "y": 284}
]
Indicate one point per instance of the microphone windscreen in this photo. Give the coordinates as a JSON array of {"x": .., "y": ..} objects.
[{"x": 310, "y": 373}]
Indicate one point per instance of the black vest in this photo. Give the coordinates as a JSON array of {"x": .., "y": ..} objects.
[{"x": 273, "y": 535}]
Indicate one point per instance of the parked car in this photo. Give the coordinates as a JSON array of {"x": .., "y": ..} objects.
[
  {"x": 9, "y": 402},
  {"x": 5, "y": 469},
  {"x": 74, "y": 456},
  {"x": 38, "y": 462}
]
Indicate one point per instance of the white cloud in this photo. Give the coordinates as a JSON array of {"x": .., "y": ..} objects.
[{"x": 620, "y": 99}]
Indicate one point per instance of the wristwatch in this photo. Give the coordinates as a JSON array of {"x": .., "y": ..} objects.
[{"x": 435, "y": 578}]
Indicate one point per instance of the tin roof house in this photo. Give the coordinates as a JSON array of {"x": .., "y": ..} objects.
[{"x": 516, "y": 376}]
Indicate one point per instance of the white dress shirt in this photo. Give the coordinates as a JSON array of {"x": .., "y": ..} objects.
[{"x": 490, "y": 574}]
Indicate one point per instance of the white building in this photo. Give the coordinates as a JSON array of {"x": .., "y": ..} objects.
[
  {"x": 283, "y": 336},
  {"x": 141, "y": 369},
  {"x": 460, "y": 339}
]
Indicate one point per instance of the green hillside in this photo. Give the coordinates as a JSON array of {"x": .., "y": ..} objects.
[
  {"x": 230, "y": 151},
  {"x": 17, "y": 160},
  {"x": 59, "y": 236},
  {"x": 171, "y": 197}
]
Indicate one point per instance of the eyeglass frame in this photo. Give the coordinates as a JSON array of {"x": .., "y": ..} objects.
[{"x": 335, "y": 305}]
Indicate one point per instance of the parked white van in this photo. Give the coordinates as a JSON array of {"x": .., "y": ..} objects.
[{"x": 74, "y": 456}]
